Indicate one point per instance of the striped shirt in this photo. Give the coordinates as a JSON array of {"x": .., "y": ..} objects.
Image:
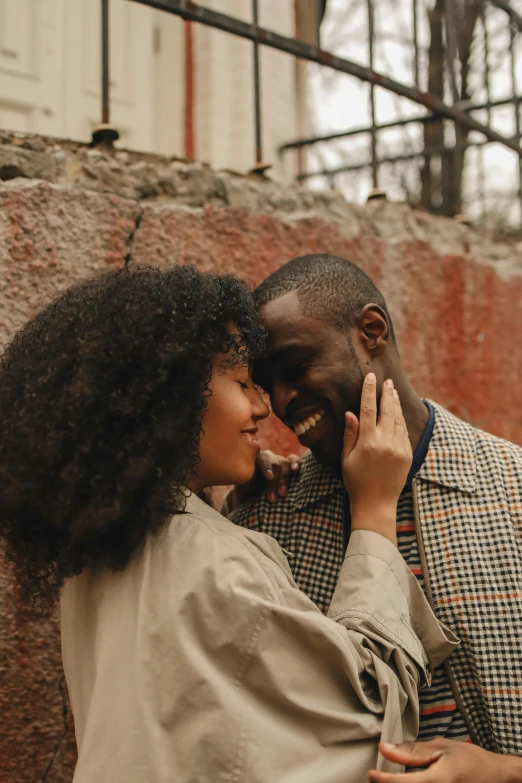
[{"x": 439, "y": 714}]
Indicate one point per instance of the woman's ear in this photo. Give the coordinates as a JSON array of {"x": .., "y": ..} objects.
[{"x": 374, "y": 331}]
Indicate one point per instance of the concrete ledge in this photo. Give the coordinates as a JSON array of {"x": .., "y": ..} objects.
[{"x": 157, "y": 179}]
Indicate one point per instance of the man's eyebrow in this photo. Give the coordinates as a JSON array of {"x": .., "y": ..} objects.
[{"x": 280, "y": 352}]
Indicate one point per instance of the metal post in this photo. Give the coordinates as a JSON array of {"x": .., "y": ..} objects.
[
  {"x": 104, "y": 134},
  {"x": 516, "y": 105},
  {"x": 105, "y": 61},
  {"x": 257, "y": 88}
]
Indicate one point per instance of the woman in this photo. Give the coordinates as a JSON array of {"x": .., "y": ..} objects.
[{"x": 189, "y": 653}]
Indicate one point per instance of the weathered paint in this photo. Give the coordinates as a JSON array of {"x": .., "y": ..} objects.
[{"x": 455, "y": 320}]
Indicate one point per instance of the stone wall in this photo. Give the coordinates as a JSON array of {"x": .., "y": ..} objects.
[{"x": 67, "y": 211}]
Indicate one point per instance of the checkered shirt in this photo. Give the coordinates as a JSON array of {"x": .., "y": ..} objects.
[{"x": 469, "y": 498}]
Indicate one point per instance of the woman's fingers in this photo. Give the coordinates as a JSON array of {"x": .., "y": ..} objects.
[
  {"x": 351, "y": 433},
  {"x": 401, "y": 430},
  {"x": 413, "y": 754},
  {"x": 387, "y": 409},
  {"x": 368, "y": 410},
  {"x": 276, "y": 471},
  {"x": 289, "y": 466},
  {"x": 426, "y": 776},
  {"x": 285, "y": 471},
  {"x": 295, "y": 462}
]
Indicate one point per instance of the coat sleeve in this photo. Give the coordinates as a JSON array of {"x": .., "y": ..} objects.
[{"x": 319, "y": 693}]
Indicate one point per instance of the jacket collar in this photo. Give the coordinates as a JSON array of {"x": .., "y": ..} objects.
[
  {"x": 451, "y": 458},
  {"x": 450, "y": 462},
  {"x": 266, "y": 544}
]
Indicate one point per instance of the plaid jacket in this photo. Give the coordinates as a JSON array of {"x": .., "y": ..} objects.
[{"x": 468, "y": 515}]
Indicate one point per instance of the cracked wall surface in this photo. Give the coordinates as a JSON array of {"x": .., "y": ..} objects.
[{"x": 68, "y": 211}]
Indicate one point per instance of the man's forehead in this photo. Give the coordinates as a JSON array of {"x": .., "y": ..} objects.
[
  {"x": 282, "y": 312},
  {"x": 286, "y": 324}
]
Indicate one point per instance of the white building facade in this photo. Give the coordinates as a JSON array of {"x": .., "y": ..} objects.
[{"x": 168, "y": 81}]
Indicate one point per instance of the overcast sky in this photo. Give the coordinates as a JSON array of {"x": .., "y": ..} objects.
[{"x": 340, "y": 102}]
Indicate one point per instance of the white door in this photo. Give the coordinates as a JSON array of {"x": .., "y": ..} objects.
[
  {"x": 50, "y": 71},
  {"x": 31, "y": 35}
]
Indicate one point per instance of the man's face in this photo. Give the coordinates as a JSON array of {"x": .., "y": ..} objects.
[{"x": 312, "y": 376}]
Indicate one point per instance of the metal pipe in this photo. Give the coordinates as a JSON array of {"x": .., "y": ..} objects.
[
  {"x": 190, "y": 10},
  {"x": 105, "y": 115},
  {"x": 425, "y": 118},
  {"x": 189, "y": 92},
  {"x": 434, "y": 151},
  {"x": 373, "y": 130},
  {"x": 104, "y": 135},
  {"x": 257, "y": 87}
]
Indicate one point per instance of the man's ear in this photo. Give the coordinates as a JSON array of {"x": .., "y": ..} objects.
[{"x": 374, "y": 331}]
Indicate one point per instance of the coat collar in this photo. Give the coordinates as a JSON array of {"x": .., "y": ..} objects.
[
  {"x": 451, "y": 458},
  {"x": 267, "y": 544},
  {"x": 450, "y": 462}
]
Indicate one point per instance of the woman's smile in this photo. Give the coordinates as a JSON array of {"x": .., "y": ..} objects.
[{"x": 250, "y": 436}]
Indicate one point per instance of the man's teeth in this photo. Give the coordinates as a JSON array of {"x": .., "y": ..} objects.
[{"x": 308, "y": 423}]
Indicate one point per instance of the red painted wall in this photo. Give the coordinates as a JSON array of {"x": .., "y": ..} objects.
[
  {"x": 455, "y": 318},
  {"x": 456, "y": 321}
]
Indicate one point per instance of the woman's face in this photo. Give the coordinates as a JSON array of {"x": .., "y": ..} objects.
[{"x": 228, "y": 445}]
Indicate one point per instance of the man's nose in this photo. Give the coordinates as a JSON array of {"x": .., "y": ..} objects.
[{"x": 281, "y": 396}]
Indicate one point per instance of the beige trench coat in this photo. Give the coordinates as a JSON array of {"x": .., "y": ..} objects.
[{"x": 202, "y": 661}]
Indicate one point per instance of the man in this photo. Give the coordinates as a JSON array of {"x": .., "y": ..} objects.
[{"x": 459, "y": 516}]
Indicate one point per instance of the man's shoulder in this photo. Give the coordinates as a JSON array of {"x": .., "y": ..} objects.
[{"x": 453, "y": 434}]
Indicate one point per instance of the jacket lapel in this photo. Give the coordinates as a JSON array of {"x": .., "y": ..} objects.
[{"x": 470, "y": 543}]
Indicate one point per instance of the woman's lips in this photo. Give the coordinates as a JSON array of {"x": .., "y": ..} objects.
[{"x": 251, "y": 439}]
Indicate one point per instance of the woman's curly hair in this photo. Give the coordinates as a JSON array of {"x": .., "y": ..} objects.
[{"x": 101, "y": 403}]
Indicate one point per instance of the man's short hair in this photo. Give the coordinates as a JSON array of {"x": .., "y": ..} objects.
[{"x": 328, "y": 287}]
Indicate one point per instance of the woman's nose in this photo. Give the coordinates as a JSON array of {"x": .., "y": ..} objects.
[{"x": 260, "y": 409}]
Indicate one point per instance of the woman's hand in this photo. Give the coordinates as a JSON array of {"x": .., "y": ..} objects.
[
  {"x": 276, "y": 472},
  {"x": 376, "y": 459},
  {"x": 448, "y": 761},
  {"x": 272, "y": 477}
]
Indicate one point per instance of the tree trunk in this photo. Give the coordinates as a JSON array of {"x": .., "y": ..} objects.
[
  {"x": 441, "y": 186},
  {"x": 434, "y": 131}
]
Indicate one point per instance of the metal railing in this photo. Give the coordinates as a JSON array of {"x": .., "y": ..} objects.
[
  {"x": 452, "y": 153},
  {"x": 461, "y": 115}
]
